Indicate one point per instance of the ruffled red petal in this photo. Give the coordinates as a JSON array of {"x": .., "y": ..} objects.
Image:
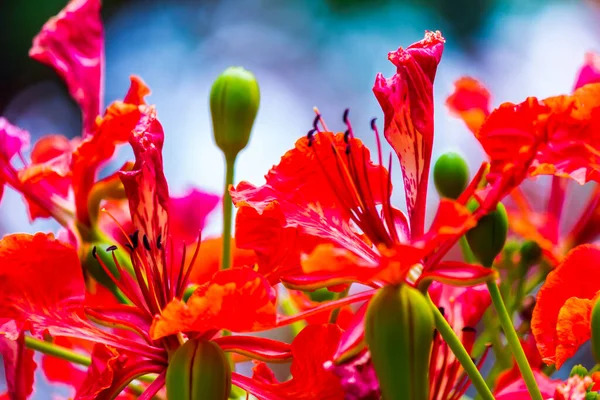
[
  {"x": 237, "y": 299},
  {"x": 19, "y": 367},
  {"x": 576, "y": 277}
]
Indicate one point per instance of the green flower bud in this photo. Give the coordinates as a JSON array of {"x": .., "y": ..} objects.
[
  {"x": 234, "y": 100},
  {"x": 198, "y": 370},
  {"x": 450, "y": 175},
  {"x": 399, "y": 331},
  {"x": 531, "y": 253},
  {"x": 579, "y": 370},
  {"x": 488, "y": 237},
  {"x": 595, "y": 322}
]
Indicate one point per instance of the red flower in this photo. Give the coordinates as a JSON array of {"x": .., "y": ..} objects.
[
  {"x": 407, "y": 103},
  {"x": 470, "y": 101},
  {"x": 34, "y": 298},
  {"x": 561, "y": 318}
]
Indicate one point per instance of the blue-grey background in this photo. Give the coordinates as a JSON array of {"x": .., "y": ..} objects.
[{"x": 304, "y": 54}]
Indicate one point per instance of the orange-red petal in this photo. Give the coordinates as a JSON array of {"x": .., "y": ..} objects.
[
  {"x": 576, "y": 278},
  {"x": 470, "y": 101},
  {"x": 209, "y": 259},
  {"x": 237, "y": 299}
]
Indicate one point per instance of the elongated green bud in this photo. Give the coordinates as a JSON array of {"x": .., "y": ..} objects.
[
  {"x": 399, "y": 330},
  {"x": 488, "y": 237},
  {"x": 595, "y": 321},
  {"x": 234, "y": 101},
  {"x": 198, "y": 370},
  {"x": 450, "y": 175},
  {"x": 531, "y": 253}
]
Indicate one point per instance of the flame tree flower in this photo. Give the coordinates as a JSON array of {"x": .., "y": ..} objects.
[{"x": 35, "y": 299}]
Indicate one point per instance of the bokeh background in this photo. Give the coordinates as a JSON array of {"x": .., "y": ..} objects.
[{"x": 305, "y": 53}]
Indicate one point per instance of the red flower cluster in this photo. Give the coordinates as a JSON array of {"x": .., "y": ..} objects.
[{"x": 112, "y": 300}]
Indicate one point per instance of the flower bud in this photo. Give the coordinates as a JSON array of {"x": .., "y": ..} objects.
[
  {"x": 488, "y": 237},
  {"x": 531, "y": 253},
  {"x": 595, "y": 330},
  {"x": 198, "y": 370},
  {"x": 399, "y": 331},
  {"x": 234, "y": 100},
  {"x": 450, "y": 175},
  {"x": 579, "y": 370}
]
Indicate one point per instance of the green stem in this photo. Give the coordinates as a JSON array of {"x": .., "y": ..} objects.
[
  {"x": 513, "y": 341},
  {"x": 461, "y": 353},
  {"x": 60, "y": 352},
  {"x": 466, "y": 250},
  {"x": 227, "y": 212}
]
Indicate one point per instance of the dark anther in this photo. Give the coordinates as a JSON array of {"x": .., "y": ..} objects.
[
  {"x": 347, "y": 136},
  {"x": 469, "y": 329},
  {"x": 441, "y": 310},
  {"x": 158, "y": 243},
  {"x": 345, "y": 119},
  {"x": 146, "y": 242},
  {"x": 373, "y": 126},
  {"x": 130, "y": 247},
  {"x": 347, "y": 149},
  {"x": 111, "y": 248},
  {"x": 94, "y": 252},
  {"x": 134, "y": 239},
  {"x": 311, "y": 136},
  {"x": 435, "y": 334},
  {"x": 316, "y": 122}
]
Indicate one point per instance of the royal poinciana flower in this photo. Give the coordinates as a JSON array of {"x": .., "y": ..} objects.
[
  {"x": 547, "y": 137},
  {"x": 325, "y": 214},
  {"x": 35, "y": 299}
]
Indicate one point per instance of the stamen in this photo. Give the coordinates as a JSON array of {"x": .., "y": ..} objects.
[
  {"x": 311, "y": 136},
  {"x": 158, "y": 242},
  {"x": 345, "y": 118},
  {"x": 134, "y": 237},
  {"x": 374, "y": 124},
  {"x": 316, "y": 122},
  {"x": 94, "y": 254},
  {"x": 469, "y": 329},
  {"x": 111, "y": 248},
  {"x": 146, "y": 242},
  {"x": 347, "y": 136}
]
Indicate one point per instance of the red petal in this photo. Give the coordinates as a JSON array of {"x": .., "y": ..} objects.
[
  {"x": 209, "y": 259},
  {"x": 303, "y": 303},
  {"x": 407, "y": 103},
  {"x": 457, "y": 273},
  {"x": 463, "y": 306},
  {"x": 237, "y": 299},
  {"x": 110, "y": 372},
  {"x": 255, "y": 347},
  {"x": 590, "y": 71},
  {"x": 517, "y": 390},
  {"x": 12, "y": 142},
  {"x": 470, "y": 101},
  {"x": 576, "y": 277},
  {"x": 312, "y": 348},
  {"x": 352, "y": 340},
  {"x": 73, "y": 44},
  {"x": 19, "y": 367},
  {"x": 113, "y": 128},
  {"x": 58, "y": 370},
  {"x": 188, "y": 214},
  {"x": 299, "y": 195}
]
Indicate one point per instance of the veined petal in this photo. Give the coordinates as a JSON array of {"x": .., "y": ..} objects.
[
  {"x": 590, "y": 70},
  {"x": 463, "y": 306},
  {"x": 73, "y": 44},
  {"x": 110, "y": 130},
  {"x": 470, "y": 101},
  {"x": 517, "y": 390},
  {"x": 57, "y": 370},
  {"x": 146, "y": 186},
  {"x": 407, "y": 103},
  {"x": 19, "y": 367},
  {"x": 559, "y": 305},
  {"x": 573, "y": 327},
  {"x": 237, "y": 299}
]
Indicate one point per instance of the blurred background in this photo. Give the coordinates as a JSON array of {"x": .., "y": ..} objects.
[{"x": 305, "y": 53}]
